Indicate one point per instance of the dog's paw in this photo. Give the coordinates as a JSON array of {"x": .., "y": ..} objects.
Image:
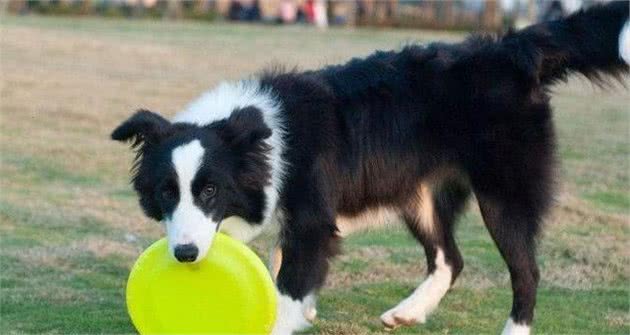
[
  {"x": 513, "y": 328},
  {"x": 310, "y": 307},
  {"x": 404, "y": 314},
  {"x": 310, "y": 313},
  {"x": 288, "y": 327},
  {"x": 291, "y": 316}
]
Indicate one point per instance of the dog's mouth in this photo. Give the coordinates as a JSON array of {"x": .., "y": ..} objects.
[{"x": 189, "y": 241}]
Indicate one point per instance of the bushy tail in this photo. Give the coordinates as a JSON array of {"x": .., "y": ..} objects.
[{"x": 594, "y": 42}]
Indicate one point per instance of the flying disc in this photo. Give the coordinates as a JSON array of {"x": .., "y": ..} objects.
[{"x": 230, "y": 291}]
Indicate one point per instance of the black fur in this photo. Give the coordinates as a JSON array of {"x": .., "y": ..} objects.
[
  {"x": 367, "y": 133},
  {"x": 238, "y": 165},
  {"x": 454, "y": 118}
]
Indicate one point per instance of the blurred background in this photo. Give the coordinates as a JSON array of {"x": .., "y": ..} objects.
[
  {"x": 455, "y": 15},
  {"x": 71, "y": 228}
]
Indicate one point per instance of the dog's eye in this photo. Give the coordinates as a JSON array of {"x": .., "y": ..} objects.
[{"x": 208, "y": 192}]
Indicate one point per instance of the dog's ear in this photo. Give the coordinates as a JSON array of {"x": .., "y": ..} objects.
[
  {"x": 144, "y": 126},
  {"x": 244, "y": 132},
  {"x": 245, "y": 127}
]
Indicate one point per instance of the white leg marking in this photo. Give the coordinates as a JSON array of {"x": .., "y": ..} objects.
[
  {"x": 424, "y": 299},
  {"x": 624, "y": 43},
  {"x": 290, "y": 317},
  {"x": 513, "y": 328}
]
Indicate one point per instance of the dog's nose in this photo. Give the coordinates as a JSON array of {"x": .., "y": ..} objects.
[{"x": 186, "y": 253}]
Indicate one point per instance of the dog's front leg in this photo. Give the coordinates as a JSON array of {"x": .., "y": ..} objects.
[{"x": 308, "y": 241}]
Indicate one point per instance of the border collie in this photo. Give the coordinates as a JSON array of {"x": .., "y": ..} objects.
[{"x": 406, "y": 134}]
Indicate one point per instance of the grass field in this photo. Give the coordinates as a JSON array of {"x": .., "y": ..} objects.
[{"x": 70, "y": 227}]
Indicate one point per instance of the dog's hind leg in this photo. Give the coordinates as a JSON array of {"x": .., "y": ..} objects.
[
  {"x": 510, "y": 227},
  {"x": 514, "y": 190},
  {"x": 431, "y": 219}
]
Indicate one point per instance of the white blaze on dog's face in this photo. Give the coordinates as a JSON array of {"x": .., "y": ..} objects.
[
  {"x": 191, "y": 177},
  {"x": 189, "y": 230}
]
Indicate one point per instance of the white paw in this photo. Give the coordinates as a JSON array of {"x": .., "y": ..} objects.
[
  {"x": 405, "y": 314},
  {"x": 310, "y": 313},
  {"x": 423, "y": 300},
  {"x": 513, "y": 328},
  {"x": 288, "y": 328},
  {"x": 310, "y": 310},
  {"x": 290, "y": 317}
]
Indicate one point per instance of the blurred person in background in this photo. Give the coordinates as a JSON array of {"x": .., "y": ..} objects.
[
  {"x": 288, "y": 11},
  {"x": 244, "y": 10},
  {"x": 316, "y": 12},
  {"x": 320, "y": 13}
]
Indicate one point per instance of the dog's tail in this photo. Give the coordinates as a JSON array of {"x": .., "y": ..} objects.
[{"x": 594, "y": 42}]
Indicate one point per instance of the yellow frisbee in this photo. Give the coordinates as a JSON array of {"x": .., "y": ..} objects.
[{"x": 228, "y": 292}]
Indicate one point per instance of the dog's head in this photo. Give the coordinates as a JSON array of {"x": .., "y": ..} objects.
[{"x": 191, "y": 177}]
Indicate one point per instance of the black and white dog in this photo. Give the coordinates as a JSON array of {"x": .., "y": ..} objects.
[{"x": 407, "y": 134}]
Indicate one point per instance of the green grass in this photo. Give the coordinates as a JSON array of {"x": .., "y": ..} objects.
[
  {"x": 41, "y": 171},
  {"x": 70, "y": 227},
  {"x": 612, "y": 200}
]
